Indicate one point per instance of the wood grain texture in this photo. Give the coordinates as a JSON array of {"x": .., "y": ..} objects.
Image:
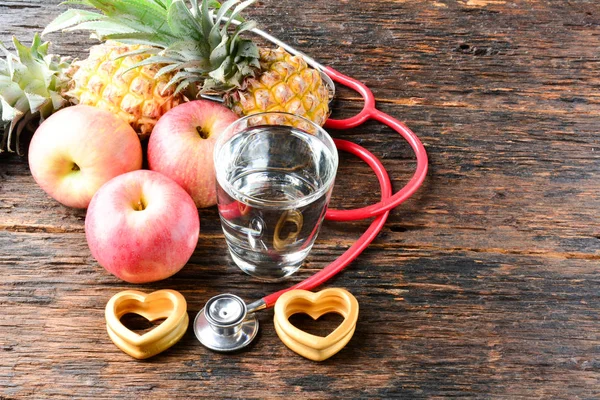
[{"x": 485, "y": 284}]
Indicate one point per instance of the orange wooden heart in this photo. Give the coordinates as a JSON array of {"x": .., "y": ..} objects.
[
  {"x": 314, "y": 347},
  {"x": 161, "y": 304}
]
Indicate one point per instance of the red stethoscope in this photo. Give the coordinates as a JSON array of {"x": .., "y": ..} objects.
[{"x": 238, "y": 330}]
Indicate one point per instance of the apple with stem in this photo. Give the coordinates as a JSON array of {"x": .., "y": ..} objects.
[
  {"x": 181, "y": 146},
  {"x": 142, "y": 226},
  {"x": 78, "y": 149}
]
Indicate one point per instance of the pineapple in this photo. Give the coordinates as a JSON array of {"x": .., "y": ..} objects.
[
  {"x": 287, "y": 85},
  {"x": 33, "y": 85},
  {"x": 107, "y": 81},
  {"x": 197, "y": 49}
]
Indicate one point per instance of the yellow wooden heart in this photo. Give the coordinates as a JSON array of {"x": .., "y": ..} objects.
[
  {"x": 314, "y": 347},
  {"x": 161, "y": 304}
]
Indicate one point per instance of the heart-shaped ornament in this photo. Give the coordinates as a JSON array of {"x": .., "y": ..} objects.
[
  {"x": 161, "y": 304},
  {"x": 316, "y": 348}
]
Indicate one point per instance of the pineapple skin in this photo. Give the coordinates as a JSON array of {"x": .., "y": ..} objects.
[
  {"x": 135, "y": 95},
  {"x": 32, "y": 87},
  {"x": 285, "y": 83}
]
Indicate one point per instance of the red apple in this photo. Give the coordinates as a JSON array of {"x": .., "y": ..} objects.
[
  {"x": 142, "y": 226},
  {"x": 181, "y": 146},
  {"x": 78, "y": 149}
]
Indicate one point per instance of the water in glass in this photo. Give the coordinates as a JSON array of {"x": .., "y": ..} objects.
[{"x": 272, "y": 198}]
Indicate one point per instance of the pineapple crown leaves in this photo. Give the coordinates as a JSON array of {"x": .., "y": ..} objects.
[
  {"x": 32, "y": 83},
  {"x": 196, "y": 43}
]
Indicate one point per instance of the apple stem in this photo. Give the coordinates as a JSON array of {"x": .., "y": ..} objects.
[
  {"x": 75, "y": 167},
  {"x": 141, "y": 205},
  {"x": 202, "y": 133}
]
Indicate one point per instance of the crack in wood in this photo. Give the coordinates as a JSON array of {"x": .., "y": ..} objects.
[
  {"x": 40, "y": 229},
  {"x": 496, "y": 250}
]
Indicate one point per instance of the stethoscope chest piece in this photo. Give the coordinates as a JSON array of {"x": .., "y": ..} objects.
[{"x": 224, "y": 324}]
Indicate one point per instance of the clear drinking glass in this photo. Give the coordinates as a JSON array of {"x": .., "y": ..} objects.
[{"x": 275, "y": 173}]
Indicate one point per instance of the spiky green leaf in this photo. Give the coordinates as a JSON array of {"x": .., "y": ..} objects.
[
  {"x": 186, "y": 50},
  {"x": 235, "y": 41},
  {"x": 168, "y": 69},
  {"x": 149, "y": 39},
  {"x": 38, "y": 49},
  {"x": 143, "y": 15},
  {"x": 182, "y": 22},
  {"x": 137, "y": 52},
  {"x": 58, "y": 101},
  {"x": 220, "y": 53},
  {"x": 195, "y": 9},
  {"x": 247, "y": 49},
  {"x": 215, "y": 37},
  {"x": 8, "y": 111},
  {"x": 224, "y": 69},
  {"x": 37, "y": 87},
  {"x": 147, "y": 13},
  {"x": 10, "y": 91},
  {"x": 103, "y": 28},
  {"x": 36, "y": 101},
  {"x": 4, "y": 68},
  {"x": 196, "y": 66},
  {"x": 236, "y": 12},
  {"x": 152, "y": 60},
  {"x": 163, "y": 4},
  {"x": 22, "y": 105},
  {"x": 206, "y": 21},
  {"x": 182, "y": 85},
  {"x": 190, "y": 85},
  {"x": 26, "y": 58},
  {"x": 69, "y": 18},
  {"x": 179, "y": 76}
]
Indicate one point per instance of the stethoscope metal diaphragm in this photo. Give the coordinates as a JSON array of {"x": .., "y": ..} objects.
[{"x": 224, "y": 324}]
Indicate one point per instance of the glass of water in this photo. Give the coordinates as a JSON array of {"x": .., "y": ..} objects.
[{"x": 275, "y": 173}]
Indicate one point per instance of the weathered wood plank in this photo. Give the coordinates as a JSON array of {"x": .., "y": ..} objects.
[
  {"x": 485, "y": 284},
  {"x": 514, "y": 195},
  {"x": 436, "y": 312}
]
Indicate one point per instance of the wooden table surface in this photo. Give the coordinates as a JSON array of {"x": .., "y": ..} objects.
[{"x": 484, "y": 284}]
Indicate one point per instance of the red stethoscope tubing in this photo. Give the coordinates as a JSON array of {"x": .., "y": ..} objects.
[
  {"x": 362, "y": 242},
  {"x": 370, "y": 112},
  {"x": 388, "y": 201}
]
